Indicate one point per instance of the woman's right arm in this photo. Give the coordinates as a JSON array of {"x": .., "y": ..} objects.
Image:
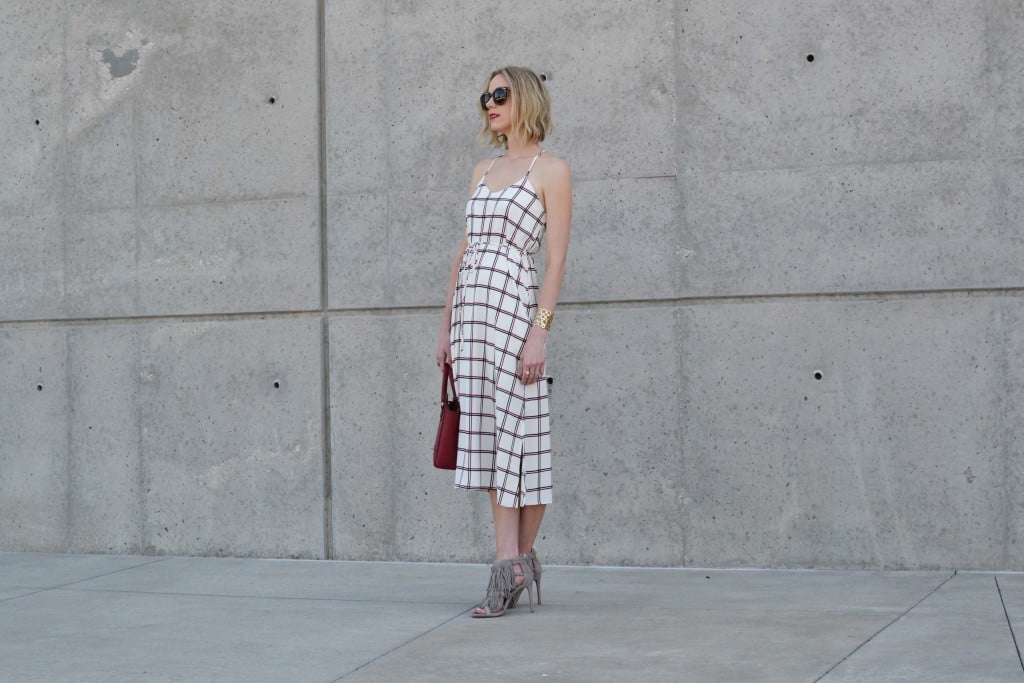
[{"x": 444, "y": 344}]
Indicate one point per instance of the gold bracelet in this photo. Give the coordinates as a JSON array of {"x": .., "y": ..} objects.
[{"x": 543, "y": 317}]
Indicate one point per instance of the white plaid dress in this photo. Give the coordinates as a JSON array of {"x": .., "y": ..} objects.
[{"x": 505, "y": 433}]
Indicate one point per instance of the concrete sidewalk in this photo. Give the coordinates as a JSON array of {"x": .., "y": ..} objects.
[{"x": 128, "y": 618}]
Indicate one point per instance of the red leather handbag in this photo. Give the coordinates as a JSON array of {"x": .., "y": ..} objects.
[{"x": 446, "y": 444}]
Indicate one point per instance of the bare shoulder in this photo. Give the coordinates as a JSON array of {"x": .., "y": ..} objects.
[
  {"x": 556, "y": 166},
  {"x": 480, "y": 168},
  {"x": 553, "y": 171}
]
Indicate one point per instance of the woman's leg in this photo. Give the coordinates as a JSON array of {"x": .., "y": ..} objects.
[
  {"x": 529, "y": 525},
  {"x": 506, "y": 534},
  {"x": 515, "y": 529},
  {"x": 506, "y": 528}
]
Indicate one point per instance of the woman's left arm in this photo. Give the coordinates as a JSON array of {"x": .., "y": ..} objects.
[{"x": 557, "y": 189}]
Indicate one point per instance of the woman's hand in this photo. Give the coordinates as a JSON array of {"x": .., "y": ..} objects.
[
  {"x": 531, "y": 363},
  {"x": 444, "y": 346}
]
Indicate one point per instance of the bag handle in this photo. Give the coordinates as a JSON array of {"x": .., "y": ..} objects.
[{"x": 447, "y": 379}]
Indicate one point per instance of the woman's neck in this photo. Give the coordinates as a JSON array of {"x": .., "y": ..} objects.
[{"x": 517, "y": 149}]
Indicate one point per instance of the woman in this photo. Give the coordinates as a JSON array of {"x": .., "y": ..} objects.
[{"x": 497, "y": 320}]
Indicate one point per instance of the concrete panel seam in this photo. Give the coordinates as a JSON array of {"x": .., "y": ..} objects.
[
  {"x": 576, "y": 180},
  {"x": 798, "y": 297},
  {"x": 70, "y": 452},
  {"x": 990, "y": 71},
  {"x": 167, "y": 318},
  {"x": 222, "y": 200},
  {"x": 747, "y": 170},
  {"x": 136, "y": 208},
  {"x": 1009, "y": 623},
  {"x": 141, "y": 499},
  {"x": 879, "y": 631},
  {"x": 325, "y": 328},
  {"x": 63, "y": 163},
  {"x": 776, "y": 297},
  {"x": 140, "y": 473},
  {"x": 602, "y": 179},
  {"x": 1006, "y": 361},
  {"x": 389, "y": 160}
]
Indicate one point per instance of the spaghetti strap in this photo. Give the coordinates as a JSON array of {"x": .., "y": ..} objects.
[
  {"x": 533, "y": 162},
  {"x": 483, "y": 178}
]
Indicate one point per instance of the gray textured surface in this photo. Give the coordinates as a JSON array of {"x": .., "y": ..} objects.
[
  {"x": 239, "y": 441},
  {"x": 34, "y": 452},
  {"x": 232, "y": 619},
  {"x": 744, "y": 217},
  {"x": 896, "y": 457},
  {"x": 886, "y": 83}
]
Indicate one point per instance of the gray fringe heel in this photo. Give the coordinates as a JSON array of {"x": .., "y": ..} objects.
[
  {"x": 534, "y": 563},
  {"x": 502, "y": 586}
]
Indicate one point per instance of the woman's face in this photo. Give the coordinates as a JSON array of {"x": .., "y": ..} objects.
[{"x": 500, "y": 115}]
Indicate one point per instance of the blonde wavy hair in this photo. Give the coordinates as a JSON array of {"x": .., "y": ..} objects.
[{"x": 531, "y": 107}]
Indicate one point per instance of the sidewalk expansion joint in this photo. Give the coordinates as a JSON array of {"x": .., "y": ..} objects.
[
  {"x": 255, "y": 596},
  {"x": 401, "y": 645},
  {"x": 1009, "y": 624},
  {"x": 88, "y": 578},
  {"x": 879, "y": 631}
]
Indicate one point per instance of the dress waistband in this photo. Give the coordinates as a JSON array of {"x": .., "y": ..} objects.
[{"x": 476, "y": 248}]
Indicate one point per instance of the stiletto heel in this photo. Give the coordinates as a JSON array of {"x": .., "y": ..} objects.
[
  {"x": 531, "y": 559},
  {"x": 535, "y": 566},
  {"x": 503, "y": 589}
]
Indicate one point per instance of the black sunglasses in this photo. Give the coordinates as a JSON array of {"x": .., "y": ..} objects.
[{"x": 500, "y": 95}]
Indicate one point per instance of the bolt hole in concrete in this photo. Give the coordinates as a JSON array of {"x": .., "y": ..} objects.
[
  {"x": 277, "y": 385},
  {"x": 817, "y": 374},
  {"x": 272, "y": 100},
  {"x": 39, "y": 387},
  {"x": 810, "y": 58}
]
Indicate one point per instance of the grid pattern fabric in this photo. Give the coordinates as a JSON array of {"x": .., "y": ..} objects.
[{"x": 505, "y": 432}]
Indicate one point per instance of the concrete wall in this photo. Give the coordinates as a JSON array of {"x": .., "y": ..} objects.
[{"x": 791, "y": 330}]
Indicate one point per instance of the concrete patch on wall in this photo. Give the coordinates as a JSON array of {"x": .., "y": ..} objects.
[{"x": 123, "y": 64}]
